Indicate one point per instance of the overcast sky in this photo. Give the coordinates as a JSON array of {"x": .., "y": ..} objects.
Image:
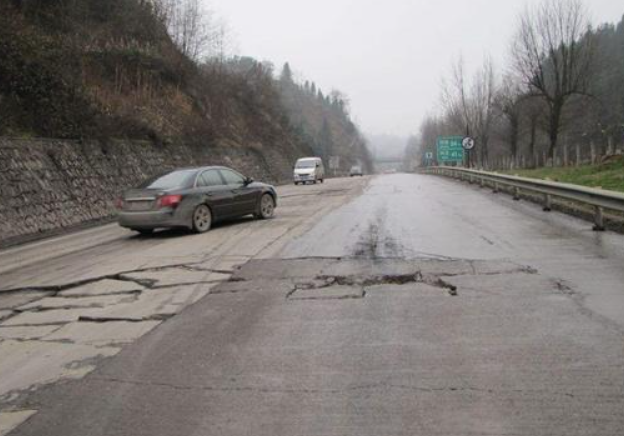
[{"x": 388, "y": 56}]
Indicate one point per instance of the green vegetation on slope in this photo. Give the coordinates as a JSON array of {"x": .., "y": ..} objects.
[
  {"x": 69, "y": 69},
  {"x": 609, "y": 175},
  {"x": 93, "y": 69}
]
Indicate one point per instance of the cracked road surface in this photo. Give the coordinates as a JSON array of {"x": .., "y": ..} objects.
[{"x": 409, "y": 306}]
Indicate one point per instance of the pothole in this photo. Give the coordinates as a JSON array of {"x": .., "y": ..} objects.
[
  {"x": 352, "y": 287},
  {"x": 334, "y": 292},
  {"x": 382, "y": 279},
  {"x": 563, "y": 288}
]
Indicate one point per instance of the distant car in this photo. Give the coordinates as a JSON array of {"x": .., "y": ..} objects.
[
  {"x": 194, "y": 198},
  {"x": 356, "y": 170},
  {"x": 309, "y": 169}
]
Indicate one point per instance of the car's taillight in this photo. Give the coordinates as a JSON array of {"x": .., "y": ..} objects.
[
  {"x": 119, "y": 203},
  {"x": 169, "y": 201}
]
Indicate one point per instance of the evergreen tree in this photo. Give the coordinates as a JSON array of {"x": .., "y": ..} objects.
[
  {"x": 325, "y": 140},
  {"x": 286, "y": 77}
]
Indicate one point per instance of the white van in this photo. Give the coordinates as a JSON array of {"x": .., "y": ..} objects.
[{"x": 309, "y": 169}]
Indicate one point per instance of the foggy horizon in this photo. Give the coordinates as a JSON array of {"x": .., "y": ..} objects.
[{"x": 388, "y": 60}]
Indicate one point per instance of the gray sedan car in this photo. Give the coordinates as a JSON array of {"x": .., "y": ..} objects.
[{"x": 194, "y": 198}]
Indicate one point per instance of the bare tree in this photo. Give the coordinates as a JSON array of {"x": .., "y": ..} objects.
[
  {"x": 532, "y": 111},
  {"x": 509, "y": 102},
  {"x": 193, "y": 28},
  {"x": 471, "y": 105},
  {"x": 552, "y": 55},
  {"x": 425, "y": 141}
]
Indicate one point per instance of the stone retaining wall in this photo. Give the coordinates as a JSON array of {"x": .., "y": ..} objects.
[{"x": 47, "y": 186}]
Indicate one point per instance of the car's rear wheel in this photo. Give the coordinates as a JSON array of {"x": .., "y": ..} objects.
[
  {"x": 266, "y": 209},
  {"x": 202, "y": 219}
]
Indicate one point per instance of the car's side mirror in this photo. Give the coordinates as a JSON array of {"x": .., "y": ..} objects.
[{"x": 248, "y": 181}]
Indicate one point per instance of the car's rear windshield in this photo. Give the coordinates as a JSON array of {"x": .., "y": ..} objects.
[
  {"x": 175, "y": 179},
  {"x": 306, "y": 164}
]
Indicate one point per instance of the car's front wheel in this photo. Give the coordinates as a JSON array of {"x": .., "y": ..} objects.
[
  {"x": 266, "y": 210},
  {"x": 202, "y": 219}
]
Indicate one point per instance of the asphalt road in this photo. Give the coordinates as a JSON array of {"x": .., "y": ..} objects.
[{"x": 401, "y": 305}]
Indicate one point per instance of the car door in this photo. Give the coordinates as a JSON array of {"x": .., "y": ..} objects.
[
  {"x": 245, "y": 197},
  {"x": 217, "y": 193}
]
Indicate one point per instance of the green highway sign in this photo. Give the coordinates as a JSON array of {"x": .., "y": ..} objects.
[{"x": 450, "y": 149}]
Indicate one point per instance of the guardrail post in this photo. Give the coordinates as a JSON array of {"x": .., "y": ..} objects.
[
  {"x": 516, "y": 195},
  {"x": 547, "y": 203},
  {"x": 482, "y": 182},
  {"x": 495, "y": 190},
  {"x": 599, "y": 219}
]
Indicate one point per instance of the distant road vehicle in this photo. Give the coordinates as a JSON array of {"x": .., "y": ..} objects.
[
  {"x": 356, "y": 170},
  {"x": 309, "y": 170},
  {"x": 194, "y": 198}
]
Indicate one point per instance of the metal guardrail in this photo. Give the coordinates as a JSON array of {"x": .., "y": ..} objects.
[{"x": 597, "y": 198}]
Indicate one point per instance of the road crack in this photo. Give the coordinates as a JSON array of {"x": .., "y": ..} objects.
[
  {"x": 145, "y": 284},
  {"x": 107, "y": 319}
]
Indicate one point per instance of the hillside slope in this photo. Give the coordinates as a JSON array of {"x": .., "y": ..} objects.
[{"x": 92, "y": 69}]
